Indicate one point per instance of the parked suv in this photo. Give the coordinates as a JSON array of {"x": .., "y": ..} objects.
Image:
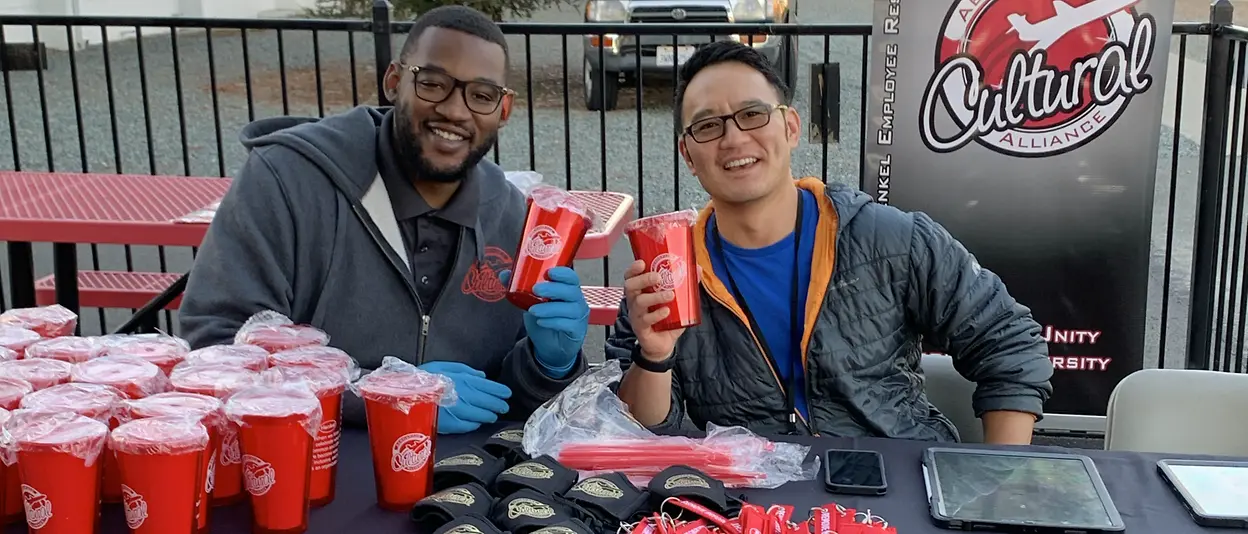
[{"x": 659, "y": 56}]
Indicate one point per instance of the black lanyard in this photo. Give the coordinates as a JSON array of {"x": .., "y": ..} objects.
[{"x": 795, "y": 329}]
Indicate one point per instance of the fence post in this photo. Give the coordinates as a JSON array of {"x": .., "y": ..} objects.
[
  {"x": 1209, "y": 189},
  {"x": 381, "y": 46}
]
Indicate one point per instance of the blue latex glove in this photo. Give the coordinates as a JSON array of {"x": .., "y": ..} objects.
[
  {"x": 556, "y": 328},
  {"x": 480, "y": 402}
]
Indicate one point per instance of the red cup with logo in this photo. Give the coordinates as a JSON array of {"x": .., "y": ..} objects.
[
  {"x": 10, "y": 484},
  {"x": 250, "y": 357},
  {"x": 161, "y": 459},
  {"x": 71, "y": 349},
  {"x": 220, "y": 381},
  {"x": 164, "y": 352},
  {"x": 47, "y": 321},
  {"x": 209, "y": 412},
  {"x": 16, "y": 339},
  {"x": 323, "y": 357},
  {"x": 58, "y": 456},
  {"x": 665, "y": 243},
  {"x": 277, "y": 429},
  {"x": 135, "y": 377},
  {"x": 401, "y": 406},
  {"x": 275, "y": 332},
  {"x": 39, "y": 373},
  {"x": 327, "y": 385},
  {"x": 97, "y": 401},
  {"x": 553, "y": 231},
  {"x": 12, "y": 390}
]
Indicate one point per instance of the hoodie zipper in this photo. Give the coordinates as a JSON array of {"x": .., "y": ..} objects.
[{"x": 426, "y": 318}]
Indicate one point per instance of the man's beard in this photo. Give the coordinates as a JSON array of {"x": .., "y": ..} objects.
[{"x": 407, "y": 144}]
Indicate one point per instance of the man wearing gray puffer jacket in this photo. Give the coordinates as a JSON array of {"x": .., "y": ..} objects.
[{"x": 815, "y": 300}]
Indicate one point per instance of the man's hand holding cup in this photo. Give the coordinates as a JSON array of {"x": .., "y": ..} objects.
[{"x": 646, "y": 307}]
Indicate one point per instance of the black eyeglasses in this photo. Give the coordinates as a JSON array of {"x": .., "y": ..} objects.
[
  {"x": 433, "y": 86},
  {"x": 750, "y": 118}
]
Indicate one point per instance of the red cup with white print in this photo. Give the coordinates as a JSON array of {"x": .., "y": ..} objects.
[
  {"x": 58, "y": 456},
  {"x": 165, "y": 352},
  {"x": 47, "y": 321},
  {"x": 401, "y": 405},
  {"x": 277, "y": 429},
  {"x": 161, "y": 481},
  {"x": 250, "y": 357},
  {"x": 327, "y": 385},
  {"x": 554, "y": 228},
  {"x": 665, "y": 243},
  {"x": 70, "y": 349},
  {"x": 40, "y": 374},
  {"x": 209, "y": 412},
  {"x": 220, "y": 381},
  {"x": 97, "y": 401},
  {"x": 16, "y": 339}
]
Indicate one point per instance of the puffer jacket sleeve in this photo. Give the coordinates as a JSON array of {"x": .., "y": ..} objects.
[
  {"x": 620, "y": 347},
  {"x": 966, "y": 310}
]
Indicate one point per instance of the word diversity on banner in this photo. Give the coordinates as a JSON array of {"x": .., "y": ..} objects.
[{"x": 1029, "y": 129}]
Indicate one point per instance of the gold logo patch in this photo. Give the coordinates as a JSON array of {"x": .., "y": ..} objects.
[
  {"x": 459, "y": 496},
  {"x": 686, "y": 481},
  {"x": 531, "y": 470},
  {"x": 598, "y": 487},
  {"x": 530, "y": 508},
  {"x": 461, "y": 459}
]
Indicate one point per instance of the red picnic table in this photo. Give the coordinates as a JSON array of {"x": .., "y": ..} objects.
[{"x": 75, "y": 208}]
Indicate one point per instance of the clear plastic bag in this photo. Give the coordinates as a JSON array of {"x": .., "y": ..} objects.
[
  {"x": 269, "y": 400},
  {"x": 322, "y": 382},
  {"x": 7, "y": 355},
  {"x": 275, "y": 332},
  {"x": 163, "y": 435},
  {"x": 40, "y": 373},
  {"x": 63, "y": 432},
  {"x": 16, "y": 338},
  {"x": 97, "y": 401},
  {"x": 47, "y": 321},
  {"x": 318, "y": 356},
  {"x": 208, "y": 410},
  {"x": 161, "y": 350},
  {"x": 249, "y": 357},
  {"x": 525, "y": 181},
  {"x": 134, "y": 376},
  {"x": 72, "y": 349},
  {"x": 13, "y": 390},
  {"x": 588, "y": 428},
  {"x": 402, "y": 385},
  {"x": 551, "y": 198},
  {"x": 217, "y": 380}
]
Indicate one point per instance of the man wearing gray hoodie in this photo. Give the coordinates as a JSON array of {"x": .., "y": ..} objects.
[{"x": 387, "y": 228}]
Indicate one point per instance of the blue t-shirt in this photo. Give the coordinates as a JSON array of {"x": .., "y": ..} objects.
[{"x": 765, "y": 278}]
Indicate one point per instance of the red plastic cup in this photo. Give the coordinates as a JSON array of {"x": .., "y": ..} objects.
[
  {"x": 665, "y": 243},
  {"x": 16, "y": 338},
  {"x": 165, "y": 352},
  {"x": 220, "y": 381},
  {"x": 280, "y": 337},
  {"x": 554, "y": 228},
  {"x": 58, "y": 457},
  {"x": 250, "y": 357},
  {"x": 12, "y": 390},
  {"x": 133, "y": 376},
  {"x": 322, "y": 357},
  {"x": 47, "y": 321},
  {"x": 39, "y": 373},
  {"x": 161, "y": 459},
  {"x": 97, "y": 401},
  {"x": 327, "y": 385},
  {"x": 401, "y": 407},
  {"x": 10, "y": 485},
  {"x": 71, "y": 349},
  {"x": 209, "y": 411},
  {"x": 276, "y": 430}
]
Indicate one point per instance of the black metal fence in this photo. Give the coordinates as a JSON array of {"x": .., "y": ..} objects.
[{"x": 168, "y": 96}]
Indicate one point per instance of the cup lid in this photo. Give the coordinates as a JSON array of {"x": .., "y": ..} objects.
[
  {"x": 40, "y": 373},
  {"x": 162, "y": 351},
  {"x": 163, "y": 435},
  {"x": 72, "y": 349},
  {"x": 92, "y": 400},
  {"x": 250, "y": 357},
  {"x": 395, "y": 387},
  {"x": 322, "y": 382},
  {"x": 551, "y": 198},
  {"x": 13, "y": 389},
  {"x": 275, "y": 402},
  {"x": 277, "y": 337},
  {"x": 134, "y": 376},
  {"x": 178, "y": 404},
  {"x": 216, "y": 380},
  {"x": 325, "y": 357},
  {"x": 64, "y": 432},
  {"x": 17, "y": 338},
  {"x": 654, "y": 225},
  {"x": 47, "y": 321}
]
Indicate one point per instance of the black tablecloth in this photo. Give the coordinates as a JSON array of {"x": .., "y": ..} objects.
[{"x": 1145, "y": 502}]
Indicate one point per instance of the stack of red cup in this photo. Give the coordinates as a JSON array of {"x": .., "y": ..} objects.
[
  {"x": 554, "y": 228},
  {"x": 40, "y": 374},
  {"x": 97, "y": 401},
  {"x": 401, "y": 406},
  {"x": 202, "y": 408},
  {"x": 16, "y": 339},
  {"x": 250, "y": 357},
  {"x": 161, "y": 461},
  {"x": 47, "y": 321},
  {"x": 58, "y": 457},
  {"x": 665, "y": 243},
  {"x": 71, "y": 349},
  {"x": 277, "y": 430},
  {"x": 220, "y": 381},
  {"x": 165, "y": 352},
  {"x": 133, "y": 376}
]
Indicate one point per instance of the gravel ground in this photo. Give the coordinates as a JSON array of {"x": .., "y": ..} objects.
[{"x": 151, "y": 135}]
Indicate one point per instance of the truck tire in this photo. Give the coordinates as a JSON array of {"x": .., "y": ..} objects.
[{"x": 602, "y": 93}]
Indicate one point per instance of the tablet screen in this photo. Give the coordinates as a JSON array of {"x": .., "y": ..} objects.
[
  {"x": 1219, "y": 491},
  {"x": 996, "y": 488}
]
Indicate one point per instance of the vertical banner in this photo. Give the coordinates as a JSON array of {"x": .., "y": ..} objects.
[{"x": 1029, "y": 129}]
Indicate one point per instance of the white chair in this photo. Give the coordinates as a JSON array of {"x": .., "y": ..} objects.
[
  {"x": 951, "y": 393},
  {"x": 1179, "y": 411}
]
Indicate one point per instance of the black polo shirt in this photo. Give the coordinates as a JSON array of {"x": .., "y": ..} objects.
[{"x": 431, "y": 236}]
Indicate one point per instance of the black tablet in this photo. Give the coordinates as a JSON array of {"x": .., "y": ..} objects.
[
  {"x": 1017, "y": 491},
  {"x": 1214, "y": 492}
]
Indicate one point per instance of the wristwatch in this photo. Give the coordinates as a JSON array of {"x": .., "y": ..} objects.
[{"x": 654, "y": 367}]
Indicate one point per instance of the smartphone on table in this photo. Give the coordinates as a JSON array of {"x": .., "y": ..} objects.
[{"x": 854, "y": 472}]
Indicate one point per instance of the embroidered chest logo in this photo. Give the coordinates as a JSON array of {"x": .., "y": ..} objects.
[
  {"x": 458, "y": 496},
  {"x": 512, "y": 435},
  {"x": 597, "y": 487},
  {"x": 530, "y": 508},
  {"x": 482, "y": 278},
  {"x": 531, "y": 470},
  {"x": 685, "y": 481},
  {"x": 462, "y": 459}
]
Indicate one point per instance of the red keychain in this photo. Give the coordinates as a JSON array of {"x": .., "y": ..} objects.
[
  {"x": 753, "y": 520},
  {"x": 699, "y": 526},
  {"x": 780, "y": 517}
]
